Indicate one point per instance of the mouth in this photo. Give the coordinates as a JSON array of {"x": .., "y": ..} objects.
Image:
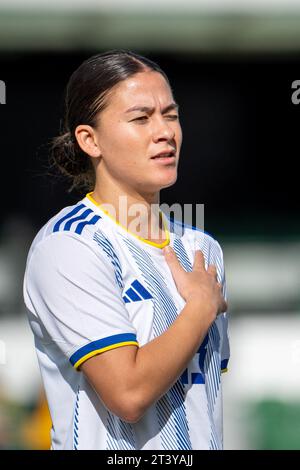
[{"x": 167, "y": 156}]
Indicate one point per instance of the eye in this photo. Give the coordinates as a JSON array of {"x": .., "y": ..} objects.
[
  {"x": 172, "y": 117},
  {"x": 141, "y": 118}
]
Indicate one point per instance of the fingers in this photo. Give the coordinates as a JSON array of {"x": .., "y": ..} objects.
[
  {"x": 224, "y": 306},
  {"x": 213, "y": 271},
  {"x": 171, "y": 258},
  {"x": 199, "y": 261}
]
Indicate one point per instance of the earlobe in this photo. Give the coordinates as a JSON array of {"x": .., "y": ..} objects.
[
  {"x": 97, "y": 152},
  {"x": 93, "y": 151},
  {"x": 85, "y": 136}
]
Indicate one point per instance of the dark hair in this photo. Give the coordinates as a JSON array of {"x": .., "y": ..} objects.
[{"x": 85, "y": 97}]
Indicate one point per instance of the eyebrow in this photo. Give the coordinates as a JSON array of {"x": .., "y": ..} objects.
[{"x": 147, "y": 109}]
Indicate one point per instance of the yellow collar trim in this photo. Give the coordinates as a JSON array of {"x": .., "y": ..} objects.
[{"x": 157, "y": 245}]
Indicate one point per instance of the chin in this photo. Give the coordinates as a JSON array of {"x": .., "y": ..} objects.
[
  {"x": 166, "y": 182},
  {"x": 169, "y": 184},
  {"x": 158, "y": 181},
  {"x": 170, "y": 179}
]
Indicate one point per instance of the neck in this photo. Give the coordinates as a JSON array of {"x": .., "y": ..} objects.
[{"x": 137, "y": 212}]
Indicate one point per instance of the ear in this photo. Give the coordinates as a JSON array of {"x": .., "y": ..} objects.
[{"x": 87, "y": 141}]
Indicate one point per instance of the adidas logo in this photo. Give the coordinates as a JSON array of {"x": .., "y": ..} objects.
[{"x": 136, "y": 293}]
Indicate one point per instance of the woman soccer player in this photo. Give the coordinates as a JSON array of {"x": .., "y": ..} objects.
[{"x": 130, "y": 330}]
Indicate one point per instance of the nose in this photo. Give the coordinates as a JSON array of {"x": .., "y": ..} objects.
[{"x": 163, "y": 130}]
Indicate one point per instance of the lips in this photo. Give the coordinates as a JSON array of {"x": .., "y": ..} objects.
[{"x": 165, "y": 154}]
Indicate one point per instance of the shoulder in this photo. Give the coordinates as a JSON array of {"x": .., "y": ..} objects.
[
  {"x": 70, "y": 232},
  {"x": 71, "y": 219}
]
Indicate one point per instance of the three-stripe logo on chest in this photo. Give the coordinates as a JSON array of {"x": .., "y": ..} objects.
[{"x": 136, "y": 293}]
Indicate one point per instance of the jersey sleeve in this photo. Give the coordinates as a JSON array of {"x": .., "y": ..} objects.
[{"x": 71, "y": 289}]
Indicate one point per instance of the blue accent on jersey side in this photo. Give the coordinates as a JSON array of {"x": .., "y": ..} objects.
[
  {"x": 101, "y": 343},
  {"x": 141, "y": 290},
  {"x": 224, "y": 363},
  {"x": 71, "y": 221},
  {"x": 65, "y": 217},
  {"x": 81, "y": 226},
  {"x": 197, "y": 378},
  {"x": 133, "y": 295}
]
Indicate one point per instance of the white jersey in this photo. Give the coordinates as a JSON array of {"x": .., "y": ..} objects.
[{"x": 91, "y": 286}]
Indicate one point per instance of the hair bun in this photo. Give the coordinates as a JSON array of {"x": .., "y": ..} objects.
[
  {"x": 68, "y": 158},
  {"x": 67, "y": 139}
]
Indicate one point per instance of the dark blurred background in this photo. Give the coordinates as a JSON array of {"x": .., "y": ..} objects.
[
  {"x": 240, "y": 146},
  {"x": 232, "y": 66}
]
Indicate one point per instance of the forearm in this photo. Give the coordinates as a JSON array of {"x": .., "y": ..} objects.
[{"x": 159, "y": 363}]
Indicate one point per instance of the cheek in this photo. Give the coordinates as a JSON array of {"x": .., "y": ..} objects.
[
  {"x": 179, "y": 135},
  {"x": 129, "y": 142},
  {"x": 123, "y": 148}
]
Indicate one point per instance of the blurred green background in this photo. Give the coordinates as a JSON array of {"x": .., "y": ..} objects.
[{"x": 231, "y": 65}]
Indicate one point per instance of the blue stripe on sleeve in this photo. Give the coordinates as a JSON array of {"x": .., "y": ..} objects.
[{"x": 100, "y": 344}]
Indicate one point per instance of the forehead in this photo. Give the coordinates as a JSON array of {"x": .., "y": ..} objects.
[{"x": 147, "y": 88}]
